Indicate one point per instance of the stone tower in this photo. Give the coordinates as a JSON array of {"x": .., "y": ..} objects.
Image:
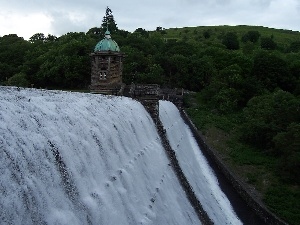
[{"x": 107, "y": 67}]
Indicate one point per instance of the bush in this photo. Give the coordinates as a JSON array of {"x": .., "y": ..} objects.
[
  {"x": 284, "y": 202},
  {"x": 268, "y": 43},
  {"x": 230, "y": 40},
  {"x": 19, "y": 80},
  {"x": 251, "y": 36},
  {"x": 272, "y": 71},
  {"x": 287, "y": 143},
  {"x": 268, "y": 115}
]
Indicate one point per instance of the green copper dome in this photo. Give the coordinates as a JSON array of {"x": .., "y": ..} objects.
[{"x": 107, "y": 44}]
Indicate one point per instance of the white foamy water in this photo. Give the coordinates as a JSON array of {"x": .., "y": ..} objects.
[
  {"x": 195, "y": 166},
  {"x": 71, "y": 158},
  {"x": 75, "y": 158}
]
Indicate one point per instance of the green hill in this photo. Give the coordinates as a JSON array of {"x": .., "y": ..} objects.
[{"x": 283, "y": 37}]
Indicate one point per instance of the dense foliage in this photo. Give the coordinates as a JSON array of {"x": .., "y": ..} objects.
[
  {"x": 246, "y": 60},
  {"x": 252, "y": 72}
]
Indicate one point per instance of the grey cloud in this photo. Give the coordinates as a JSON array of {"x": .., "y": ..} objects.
[
  {"x": 64, "y": 22},
  {"x": 133, "y": 14}
]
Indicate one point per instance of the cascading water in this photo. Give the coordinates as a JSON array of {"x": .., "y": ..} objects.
[
  {"x": 195, "y": 167},
  {"x": 72, "y": 158}
]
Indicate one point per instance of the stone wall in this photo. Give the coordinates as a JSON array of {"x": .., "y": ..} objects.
[
  {"x": 201, "y": 213},
  {"x": 106, "y": 72},
  {"x": 258, "y": 207},
  {"x": 152, "y": 108}
]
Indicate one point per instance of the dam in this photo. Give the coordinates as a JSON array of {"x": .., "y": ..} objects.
[{"x": 78, "y": 158}]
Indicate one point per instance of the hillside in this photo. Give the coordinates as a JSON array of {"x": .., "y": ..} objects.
[{"x": 281, "y": 36}]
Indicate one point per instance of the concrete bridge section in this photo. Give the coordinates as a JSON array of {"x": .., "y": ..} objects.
[{"x": 150, "y": 94}]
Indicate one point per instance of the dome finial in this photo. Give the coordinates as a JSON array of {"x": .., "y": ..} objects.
[
  {"x": 107, "y": 33},
  {"x": 107, "y": 25}
]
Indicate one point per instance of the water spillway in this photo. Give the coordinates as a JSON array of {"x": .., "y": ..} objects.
[
  {"x": 195, "y": 167},
  {"x": 74, "y": 158},
  {"x": 71, "y": 158}
]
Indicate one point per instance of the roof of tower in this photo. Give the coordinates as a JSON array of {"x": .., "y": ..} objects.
[{"x": 107, "y": 44}]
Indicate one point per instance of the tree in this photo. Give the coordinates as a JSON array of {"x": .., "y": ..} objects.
[
  {"x": 12, "y": 51},
  {"x": 41, "y": 38},
  {"x": 267, "y": 115},
  {"x": 201, "y": 71},
  {"x": 225, "y": 89},
  {"x": 142, "y": 44},
  {"x": 108, "y": 22},
  {"x": 18, "y": 80},
  {"x": 178, "y": 47},
  {"x": 176, "y": 69},
  {"x": 142, "y": 32},
  {"x": 6, "y": 71},
  {"x": 287, "y": 143},
  {"x": 230, "y": 40},
  {"x": 295, "y": 46},
  {"x": 95, "y": 33},
  {"x": 33, "y": 60},
  {"x": 135, "y": 63},
  {"x": 38, "y": 37},
  {"x": 251, "y": 36},
  {"x": 268, "y": 43},
  {"x": 271, "y": 70},
  {"x": 50, "y": 38},
  {"x": 206, "y": 34},
  {"x": 248, "y": 48},
  {"x": 66, "y": 64},
  {"x": 159, "y": 28},
  {"x": 294, "y": 69},
  {"x": 152, "y": 75}
]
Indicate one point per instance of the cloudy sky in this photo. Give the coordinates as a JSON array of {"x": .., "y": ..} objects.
[{"x": 57, "y": 17}]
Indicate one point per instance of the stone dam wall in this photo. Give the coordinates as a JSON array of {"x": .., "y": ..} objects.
[
  {"x": 265, "y": 216},
  {"x": 257, "y": 207},
  {"x": 202, "y": 215}
]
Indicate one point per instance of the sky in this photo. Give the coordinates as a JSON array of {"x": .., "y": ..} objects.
[{"x": 57, "y": 17}]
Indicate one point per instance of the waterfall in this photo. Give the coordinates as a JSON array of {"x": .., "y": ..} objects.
[
  {"x": 74, "y": 158},
  {"x": 195, "y": 166},
  {"x": 78, "y": 158}
]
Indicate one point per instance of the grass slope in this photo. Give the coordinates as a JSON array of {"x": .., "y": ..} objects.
[{"x": 280, "y": 35}]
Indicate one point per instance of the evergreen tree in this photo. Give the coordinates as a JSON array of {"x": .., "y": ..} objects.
[{"x": 108, "y": 22}]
